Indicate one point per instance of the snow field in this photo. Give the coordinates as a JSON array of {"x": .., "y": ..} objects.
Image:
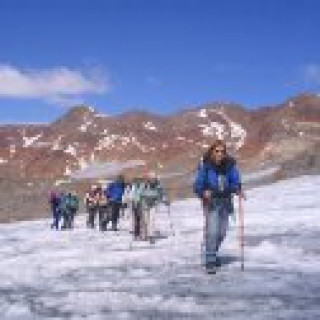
[{"x": 86, "y": 274}]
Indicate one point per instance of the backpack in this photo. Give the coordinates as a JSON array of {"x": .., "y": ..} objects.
[
  {"x": 151, "y": 193},
  {"x": 72, "y": 203}
]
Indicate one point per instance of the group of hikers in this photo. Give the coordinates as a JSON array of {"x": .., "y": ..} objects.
[
  {"x": 105, "y": 205},
  {"x": 64, "y": 206},
  {"x": 140, "y": 197},
  {"x": 216, "y": 182}
]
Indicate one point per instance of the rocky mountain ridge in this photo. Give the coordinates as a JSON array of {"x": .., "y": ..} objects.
[
  {"x": 83, "y": 136},
  {"x": 281, "y": 140}
]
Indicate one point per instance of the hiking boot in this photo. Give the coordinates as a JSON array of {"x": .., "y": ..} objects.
[{"x": 211, "y": 268}]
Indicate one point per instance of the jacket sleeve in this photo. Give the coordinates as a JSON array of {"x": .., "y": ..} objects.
[
  {"x": 199, "y": 184},
  {"x": 234, "y": 180}
]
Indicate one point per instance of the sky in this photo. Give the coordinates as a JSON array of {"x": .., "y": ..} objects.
[{"x": 156, "y": 55}]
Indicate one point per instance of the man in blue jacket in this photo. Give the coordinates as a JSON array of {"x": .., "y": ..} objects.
[
  {"x": 217, "y": 180},
  {"x": 114, "y": 193}
]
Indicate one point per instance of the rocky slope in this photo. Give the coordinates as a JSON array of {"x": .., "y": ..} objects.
[{"x": 172, "y": 145}]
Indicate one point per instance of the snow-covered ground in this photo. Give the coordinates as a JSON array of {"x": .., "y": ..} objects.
[{"x": 85, "y": 274}]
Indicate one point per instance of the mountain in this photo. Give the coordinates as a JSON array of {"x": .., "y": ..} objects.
[
  {"x": 279, "y": 135},
  {"x": 83, "y": 136}
]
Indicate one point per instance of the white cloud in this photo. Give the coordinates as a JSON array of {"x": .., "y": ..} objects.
[
  {"x": 60, "y": 83},
  {"x": 312, "y": 73}
]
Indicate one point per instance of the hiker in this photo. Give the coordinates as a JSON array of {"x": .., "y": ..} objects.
[
  {"x": 127, "y": 203},
  {"x": 91, "y": 203},
  {"x": 136, "y": 191},
  {"x": 54, "y": 201},
  {"x": 217, "y": 180},
  {"x": 63, "y": 209},
  {"x": 103, "y": 209},
  {"x": 151, "y": 195},
  {"x": 69, "y": 206},
  {"x": 114, "y": 193}
]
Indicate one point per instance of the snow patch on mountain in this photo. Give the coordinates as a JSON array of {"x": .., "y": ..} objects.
[
  {"x": 114, "y": 141},
  {"x": 239, "y": 133},
  {"x": 139, "y": 145},
  {"x": 84, "y": 127},
  {"x": 213, "y": 129},
  {"x": 100, "y": 115},
  {"x": 67, "y": 171},
  {"x": 56, "y": 145},
  {"x": 203, "y": 113},
  {"x": 3, "y": 161},
  {"x": 107, "y": 142},
  {"x": 150, "y": 126},
  {"x": 29, "y": 141},
  {"x": 12, "y": 149},
  {"x": 71, "y": 150}
]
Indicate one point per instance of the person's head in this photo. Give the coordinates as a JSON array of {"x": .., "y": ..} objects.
[
  {"x": 217, "y": 152},
  {"x": 120, "y": 178},
  {"x": 98, "y": 189},
  {"x": 152, "y": 177}
]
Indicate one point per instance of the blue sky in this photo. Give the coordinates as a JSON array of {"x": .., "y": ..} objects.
[{"x": 157, "y": 55}]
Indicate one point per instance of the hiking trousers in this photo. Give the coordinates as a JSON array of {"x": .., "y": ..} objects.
[
  {"x": 137, "y": 215},
  {"x": 56, "y": 217},
  {"x": 104, "y": 216},
  {"x": 216, "y": 225},
  {"x": 92, "y": 212},
  {"x": 115, "y": 210}
]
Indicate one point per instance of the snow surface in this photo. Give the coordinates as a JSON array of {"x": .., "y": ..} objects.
[
  {"x": 259, "y": 174},
  {"x": 85, "y": 274}
]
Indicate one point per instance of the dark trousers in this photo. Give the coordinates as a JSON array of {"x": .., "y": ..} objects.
[
  {"x": 137, "y": 213},
  {"x": 115, "y": 209},
  {"x": 56, "y": 217},
  {"x": 92, "y": 212},
  {"x": 104, "y": 216},
  {"x": 70, "y": 218}
]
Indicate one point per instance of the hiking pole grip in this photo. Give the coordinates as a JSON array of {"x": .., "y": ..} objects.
[{"x": 241, "y": 232}]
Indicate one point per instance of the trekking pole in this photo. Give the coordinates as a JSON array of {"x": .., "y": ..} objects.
[
  {"x": 205, "y": 207},
  {"x": 170, "y": 220},
  {"x": 241, "y": 232}
]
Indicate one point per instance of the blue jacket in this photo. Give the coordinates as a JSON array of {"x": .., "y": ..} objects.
[
  {"x": 115, "y": 191},
  {"x": 221, "y": 180}
]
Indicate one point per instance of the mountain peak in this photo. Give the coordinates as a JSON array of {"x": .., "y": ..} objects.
[{"x": 81, "y": 109}]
